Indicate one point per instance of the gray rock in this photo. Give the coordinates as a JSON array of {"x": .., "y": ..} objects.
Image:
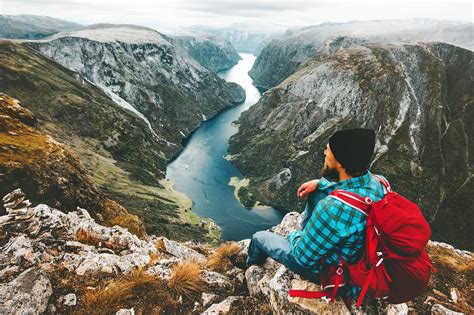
[
  {"x": 215, "y": 278},
  {"x": 397, "y": 309},
  {"x": 289, "y": 223},
  {"x": 69, "y": 299},
  {"x": 438, "y": 309},
  {"x": 125, "y": 311},
  {"x": 223, "y": 307},
  {"x": 29, "y": 293},
  {"x": 453, "y": 295},
  {"x": 19, "y": 251},
  {"x": 180, "y": 251},
  {"x": 110, "y": 263},
  {"x": 14, "y": 195},
  {"x": 282, "y": 178},
  {"x": 207, "y": 298},
  {"x": 163, "y": 267},
  {"x": 316, "y": 306}
]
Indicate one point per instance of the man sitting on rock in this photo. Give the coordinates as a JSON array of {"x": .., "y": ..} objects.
[{"x": 330, "y": 228}]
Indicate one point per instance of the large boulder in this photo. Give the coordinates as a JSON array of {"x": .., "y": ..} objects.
[{"x": 29, "y": 293}]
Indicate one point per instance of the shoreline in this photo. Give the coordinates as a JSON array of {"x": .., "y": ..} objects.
[{"x": 237, "y": 183}]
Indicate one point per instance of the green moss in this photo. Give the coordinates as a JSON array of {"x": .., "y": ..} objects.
[{"x": 246, "y": 197}]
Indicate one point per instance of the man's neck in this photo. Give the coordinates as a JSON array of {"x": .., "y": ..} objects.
[{"x": 343, "y": 176}]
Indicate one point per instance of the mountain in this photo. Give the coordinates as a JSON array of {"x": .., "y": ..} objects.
[
  {"x": 125, "y": 160},
  {"x": 245, "y": 37},
  {"x": 32, "y": 26},
  {"x": 48, "y": 171},
  {"x": 419, "y": 99},
  {"x": 147, "y": 73},
  {"x": 286, "y": 53},
  {"x": 56, "y": 262},
  {"x": 212, "y": 52}
]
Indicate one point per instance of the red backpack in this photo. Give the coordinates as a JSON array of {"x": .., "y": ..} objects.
[{"x": 394, "y": 264}]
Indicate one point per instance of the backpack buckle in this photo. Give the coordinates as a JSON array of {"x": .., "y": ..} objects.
[
  {"x": 368, "y": 200},
  {"x": 379, "y": 262}
]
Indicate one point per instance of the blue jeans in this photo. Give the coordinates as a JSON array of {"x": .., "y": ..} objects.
[{"x": 267, "y": 244}]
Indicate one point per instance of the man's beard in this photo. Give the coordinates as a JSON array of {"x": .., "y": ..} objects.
[{"x": 330, "y": 173}]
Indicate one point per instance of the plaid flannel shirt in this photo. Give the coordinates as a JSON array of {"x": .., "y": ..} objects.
[{"x": 334, "y": 228}]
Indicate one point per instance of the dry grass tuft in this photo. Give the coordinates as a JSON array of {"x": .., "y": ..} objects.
[
  {"x": 115, "y": 214},
  {"x": 186, "y": 278},
  {"x": 91, "y": 238},
  {"x": 87, "y": 237},
  {"x": 160, "y": 246},
  {"x": 137, "y": 289},
  {"x": 219, "y": 261}
]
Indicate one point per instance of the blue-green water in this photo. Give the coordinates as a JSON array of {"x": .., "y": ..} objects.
[{"x": 202, "y": 173}]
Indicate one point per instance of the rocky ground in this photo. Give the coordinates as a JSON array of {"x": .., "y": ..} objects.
[{"x": 53, "y": 262}]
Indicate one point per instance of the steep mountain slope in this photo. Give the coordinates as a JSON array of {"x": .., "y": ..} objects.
[
  {"x": 32, "y": 26},
  {"x": 118, "y": 148},
  {"x": 419, "y": 99},
  {"x": 48, "y": 171},
  {"x": 286, "y": 53},
  {"x": 212, "y": 52},
  {"x": 144, "y": 70}
]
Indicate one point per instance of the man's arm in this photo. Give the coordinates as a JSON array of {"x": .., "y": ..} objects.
[
  {"x": 323, "y": 187},
  {"x": 318, "y": 237}
]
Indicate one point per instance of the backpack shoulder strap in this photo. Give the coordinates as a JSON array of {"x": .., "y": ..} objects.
[
  {"x": 384, "y": 182},
  {"x": 353, "y": 200}
]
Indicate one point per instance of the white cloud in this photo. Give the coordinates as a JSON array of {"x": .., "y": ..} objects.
[{"x": 172, "y": 13}]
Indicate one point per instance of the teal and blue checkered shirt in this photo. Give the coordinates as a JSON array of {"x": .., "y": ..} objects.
[{"x": 334, "y": 229}]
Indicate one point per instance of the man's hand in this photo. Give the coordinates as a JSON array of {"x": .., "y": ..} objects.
[{"x": 307, "y": 188}]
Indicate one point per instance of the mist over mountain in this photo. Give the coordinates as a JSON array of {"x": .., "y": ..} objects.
[
  {"x": 286, "y": 53},
  {"x": 32, "y": 26},
  {"x": 212, "y": 52},
  {"x": 245, "y": 37}
]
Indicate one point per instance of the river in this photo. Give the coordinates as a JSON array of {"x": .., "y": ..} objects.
[{"x": 202, "y": 173}]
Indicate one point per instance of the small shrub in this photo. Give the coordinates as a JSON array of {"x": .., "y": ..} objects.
[
  {"x": 137, "y": 289},
  {"x": 87, "y": 237},
  {"x": 130, "y": 222},
  {"x": 219, "y": 261},
  {"x": 186, "y": 278},
  {"x": 91, "y": 238}
]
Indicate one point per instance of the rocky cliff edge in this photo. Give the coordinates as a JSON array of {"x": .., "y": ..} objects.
[{"x": 55, "y": 262}]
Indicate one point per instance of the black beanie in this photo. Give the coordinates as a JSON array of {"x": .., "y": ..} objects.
[{"x": 353, "y": 148}]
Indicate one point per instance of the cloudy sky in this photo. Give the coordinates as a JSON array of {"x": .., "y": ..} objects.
[{"x": 172, "y": 13}]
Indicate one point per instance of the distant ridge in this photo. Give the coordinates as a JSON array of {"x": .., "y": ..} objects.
[{"x": 32, "y": 26}]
